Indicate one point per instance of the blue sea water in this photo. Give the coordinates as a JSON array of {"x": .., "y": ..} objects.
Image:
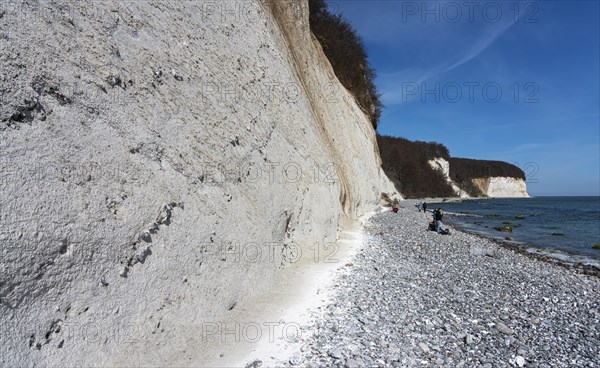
[{"x": 560, "y": 226}]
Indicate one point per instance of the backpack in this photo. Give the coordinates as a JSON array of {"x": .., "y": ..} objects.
[{"x": 395, "y": 210}]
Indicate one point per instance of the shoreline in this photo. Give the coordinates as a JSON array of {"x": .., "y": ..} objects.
[
  {"x": 523, "y": 248},
  {"x": 411, "y": 297},
  {"x": 579, "y": 267}
]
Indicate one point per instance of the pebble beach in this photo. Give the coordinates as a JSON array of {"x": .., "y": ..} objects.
[{"x": 414, "y": 298}]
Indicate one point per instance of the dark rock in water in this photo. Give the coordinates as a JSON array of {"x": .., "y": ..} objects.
[
  {"x": 558, "y": 234},
  {"x": 508, "y": 238},
  {"x": 596, "y": 246},
  {"x": 504, "y": 229},
  {"x": 520, "y": 217}
]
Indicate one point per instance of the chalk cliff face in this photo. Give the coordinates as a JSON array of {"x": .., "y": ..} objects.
[
  {"x": 444, "y": 166},
  {"x": 496, "y": 187},
  {"x": 502, "y": 187},
  {"x": 161, "y": 161}
]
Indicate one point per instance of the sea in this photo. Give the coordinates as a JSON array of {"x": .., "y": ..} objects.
[{"x": 562, "y": 227}]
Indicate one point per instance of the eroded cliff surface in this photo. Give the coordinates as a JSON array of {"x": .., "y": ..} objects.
[
  {"x": 502, "y": 187},
  {"x": 492, "y": 186},
  {"x": 161, "y": 161}
]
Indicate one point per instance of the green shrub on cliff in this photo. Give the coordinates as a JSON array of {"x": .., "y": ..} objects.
[
  {"x": 463, "y": 170},
  {"x": 347, "y": 54},
  {"x": 406, "y": 164}
]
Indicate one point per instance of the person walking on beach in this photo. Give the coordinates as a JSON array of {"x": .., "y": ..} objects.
[{"x": 425, "y": 207}]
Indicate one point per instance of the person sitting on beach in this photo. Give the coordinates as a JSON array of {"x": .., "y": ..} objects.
[
  {"x": 437, "y": 219},
  {"x": 432, "y": 224}
]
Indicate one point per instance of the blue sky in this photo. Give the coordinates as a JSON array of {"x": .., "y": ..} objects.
[{"x": 502, "y": 80}]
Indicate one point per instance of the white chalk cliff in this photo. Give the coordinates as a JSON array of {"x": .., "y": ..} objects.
[
  {"x": 442, "y": 165},
  {"x": 502, "y": 187},
  {"x": 162, "y": 161},
  {"x": 494, "y": 187}
]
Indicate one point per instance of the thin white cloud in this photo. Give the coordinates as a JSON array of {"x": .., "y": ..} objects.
[
  {"x": 485, "y": 41},
  {"x": 481, "y": 44}
]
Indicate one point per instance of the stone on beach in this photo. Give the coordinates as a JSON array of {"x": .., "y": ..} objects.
[
  {"x": 504, "y": 328},
  {"x": 351, "y": 363},
  {"x": 520, "y": 361},
  {"x": 336, "y": 353},
  {"x": 424, "y": 347},
  {"x": 296, "y": 360}
]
